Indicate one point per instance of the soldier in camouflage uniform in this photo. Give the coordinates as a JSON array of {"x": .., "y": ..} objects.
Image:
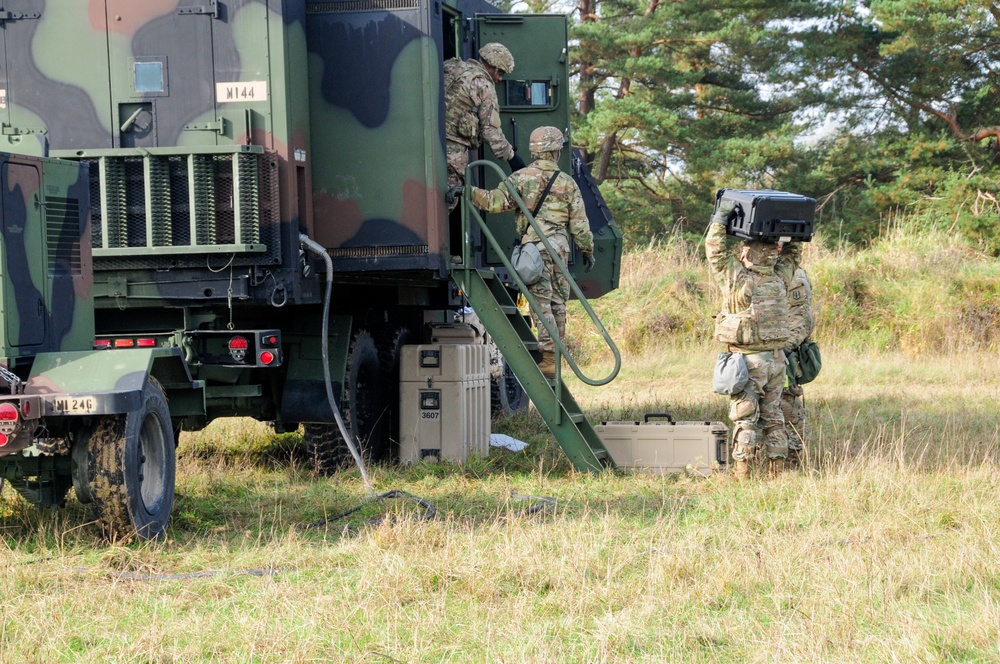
[
  {"x": 473, "y": 112},
  {"x": 560, "y": 217},
  {"x": 754, "y": 322},
  {"x": 802, "y": 322}
]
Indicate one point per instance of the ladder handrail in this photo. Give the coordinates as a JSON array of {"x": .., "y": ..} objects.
[{"x": 561, "y": 350}]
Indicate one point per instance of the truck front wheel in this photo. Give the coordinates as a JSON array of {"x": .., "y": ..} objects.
[{"x": 131, "y": 468}]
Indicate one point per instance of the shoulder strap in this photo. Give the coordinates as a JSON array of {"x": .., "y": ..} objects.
[{"x": 538, "y": 205}]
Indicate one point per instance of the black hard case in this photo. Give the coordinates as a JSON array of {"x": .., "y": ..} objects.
[{"x": 765, "y": 214}]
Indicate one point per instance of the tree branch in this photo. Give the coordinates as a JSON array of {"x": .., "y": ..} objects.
[{"x": 949, "y": 117}]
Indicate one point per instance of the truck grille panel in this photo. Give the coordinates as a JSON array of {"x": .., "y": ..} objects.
[{"x": 189, "y": 206}]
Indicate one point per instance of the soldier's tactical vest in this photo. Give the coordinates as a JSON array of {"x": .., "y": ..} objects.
[
  {"x": 461, "y": 123},
  {"x": 764, "y": 325}
]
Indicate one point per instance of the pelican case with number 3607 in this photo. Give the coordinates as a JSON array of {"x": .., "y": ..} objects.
[{"x": 665, "y": 446}]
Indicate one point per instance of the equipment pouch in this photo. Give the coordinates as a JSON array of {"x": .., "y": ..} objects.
[
  {"x": 527, "y": 262},
  {"x": 468, "y": 127},
  {"x": 730, "y": 375},
  {"x": 739, "y": 329},
  {"x": 809, "y": 361}
]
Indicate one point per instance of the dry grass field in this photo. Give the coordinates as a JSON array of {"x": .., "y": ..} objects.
[{"x": 885, "y": 548}]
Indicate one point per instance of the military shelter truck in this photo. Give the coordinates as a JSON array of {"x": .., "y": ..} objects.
[{"x": 168, "y": 168}]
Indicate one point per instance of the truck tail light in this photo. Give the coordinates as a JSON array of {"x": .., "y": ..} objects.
[
  {"x": 10, "y": 419},
  {"x": 238, "y": 348},
  {"x": 266, "y": 357}
]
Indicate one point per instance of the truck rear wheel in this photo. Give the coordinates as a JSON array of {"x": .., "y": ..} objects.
[
  {"x": 390, "y": 354},
  {"x": 361, "y": 408},
  {"x": 506, "y": 394},
  {"x": 131, "y": 466}
]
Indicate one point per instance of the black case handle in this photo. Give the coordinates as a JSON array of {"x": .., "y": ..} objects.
[{"x": 666, "y": 415}]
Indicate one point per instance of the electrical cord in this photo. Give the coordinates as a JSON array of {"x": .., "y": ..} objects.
[
  {"x": 429, "y": 513},
  {"x": 315, "y": 248}
]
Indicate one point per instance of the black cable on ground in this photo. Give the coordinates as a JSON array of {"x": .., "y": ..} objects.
[
  {"x": 542, "y": 502},
  {"x": 430, "y": 510}
]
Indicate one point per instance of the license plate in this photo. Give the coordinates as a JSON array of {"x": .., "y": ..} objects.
[{"x": 74, "y": 405}]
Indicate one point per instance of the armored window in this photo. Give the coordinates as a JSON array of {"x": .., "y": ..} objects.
[
  {"x": 528, "y": 93},
  {"x": 149, "y": 77}
]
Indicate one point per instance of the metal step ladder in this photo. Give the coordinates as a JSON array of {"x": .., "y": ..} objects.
[{"x": 496, "y": 309}]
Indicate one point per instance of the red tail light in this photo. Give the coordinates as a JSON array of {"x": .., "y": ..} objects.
[
  {"x": 10, "y": 420},
  {"x": 8, "y": 413},
  {"x": 266, "y": 357}
]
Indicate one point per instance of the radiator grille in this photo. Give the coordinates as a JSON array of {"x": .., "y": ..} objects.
[{"x": 210, "y": 203}]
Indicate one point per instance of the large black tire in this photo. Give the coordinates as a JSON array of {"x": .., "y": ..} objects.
[
  {"x": 390, "y": 353},
  {"x": 506, "y": 394},
  {"x": 362, "y": 410},
  {"x": 131, "y": 467}
]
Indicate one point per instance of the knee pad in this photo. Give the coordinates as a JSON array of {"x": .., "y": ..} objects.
[{"x": 744, "y": 441}]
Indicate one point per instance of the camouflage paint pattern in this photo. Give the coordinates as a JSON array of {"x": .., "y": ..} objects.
[
  {"x": 161, "y": 76},
  {"x": 46, "y": 292},
  {"x": 378, "y": 165}
]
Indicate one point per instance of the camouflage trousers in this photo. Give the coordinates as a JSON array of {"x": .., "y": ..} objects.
[
  {"x": 551, "y": 292},
  {"x": 756, "y": 411},
  {"x": 793, "y": 409},
  {"x": 458, "y": 158}
]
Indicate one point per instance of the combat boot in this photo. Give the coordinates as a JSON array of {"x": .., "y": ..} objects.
[
  {"x": 548, "y": 364},
  {"x": 741, "y": 471},
  {"x": 775, "y": 467},
  {"x": 794, "y": 461}
]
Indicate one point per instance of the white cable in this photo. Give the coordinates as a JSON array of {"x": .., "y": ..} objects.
[{"x": 312, "y": 246}]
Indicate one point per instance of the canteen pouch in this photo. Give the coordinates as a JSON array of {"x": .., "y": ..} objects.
[
  {"x": 730, "y": 375},
  {"x": 527, "y": 262}
]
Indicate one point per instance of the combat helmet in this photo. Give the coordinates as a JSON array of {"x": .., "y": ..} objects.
[
  {"x": 545, "y": 139},
  {"x": 497, "y": 55}
]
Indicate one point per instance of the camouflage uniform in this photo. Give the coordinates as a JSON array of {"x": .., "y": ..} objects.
[
  {"x": 802, "y": 322},
  {"x": 758, "y": 298},
  {"x": 472, "y": 116},
  {"x": 561, "y": 216}
]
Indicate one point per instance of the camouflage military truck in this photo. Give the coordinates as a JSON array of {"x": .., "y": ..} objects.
[{"x": 162, "y": 161}]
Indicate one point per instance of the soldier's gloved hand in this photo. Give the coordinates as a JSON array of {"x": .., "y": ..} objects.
[
  {"x": 589, "y": 262},
  {"x": 453, "y": 195},
  {"x": 515, "y": 163},
  {"x": 726, "y": 208}
]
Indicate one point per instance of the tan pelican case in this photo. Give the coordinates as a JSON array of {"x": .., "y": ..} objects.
[{"x": 665, "y": 446}]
